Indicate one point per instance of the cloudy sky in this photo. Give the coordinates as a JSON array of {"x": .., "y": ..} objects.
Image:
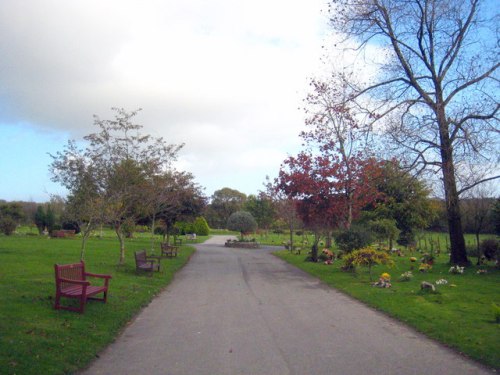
[{"x": 224, "y": 77}]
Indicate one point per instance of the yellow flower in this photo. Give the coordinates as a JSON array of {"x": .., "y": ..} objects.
[{"x": 385, "y": 276}]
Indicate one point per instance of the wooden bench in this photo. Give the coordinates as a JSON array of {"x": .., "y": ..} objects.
[
  {"x": 147, "y": 263},
  {"x": 71, "y": 282},
  {"x": 169, "y": 251}
]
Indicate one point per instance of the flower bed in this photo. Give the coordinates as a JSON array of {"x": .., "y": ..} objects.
[{"x": 242, "y": 244}]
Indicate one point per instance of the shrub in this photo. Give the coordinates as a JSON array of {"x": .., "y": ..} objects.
[
  {"x": 368, "y": 258},
  {"x": 353, "y": 239},
  {"x": 7, "y": 225},
  {"x": 200, "y": 226},
  {"x": 490, "y": 248},
  {"x": 71, "y": 225},
  {"x": 242, "y": 221},
  {"x": 496, "y": 312}
]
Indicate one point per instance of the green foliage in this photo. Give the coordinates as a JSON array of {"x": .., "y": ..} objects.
[
  {"x": 405, "y": 200},
  {"x": 224, "y": 202},
  {"x": 242, "y": 221},
  {"x": 11, "y": 215},
  {"x": 490, "y": 248},
  {"x": 496, "y": 312},
  {"x": 385, "y": 229},
  {"x": 262, "y": 210},
  {"x": 50, "y": 219},
  {"x": 7, "y": 225},
  {"x": 40, "y": 218},
  {"x": 368, "y": 257},
  {"x": 353, "y": 239},
  {"x": 200, "y": 226}
]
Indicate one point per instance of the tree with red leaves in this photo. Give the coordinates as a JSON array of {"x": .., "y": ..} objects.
[{"x": 329, "y": 191}]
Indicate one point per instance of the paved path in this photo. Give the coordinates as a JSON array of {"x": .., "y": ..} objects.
[{"x": 235, "y": 311}]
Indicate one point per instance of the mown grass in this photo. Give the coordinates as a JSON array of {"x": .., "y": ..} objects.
[
  {"x": 459, "y": 314},
  {"x": 435, "y": 241},
  {"x": 35, "y": 338}
]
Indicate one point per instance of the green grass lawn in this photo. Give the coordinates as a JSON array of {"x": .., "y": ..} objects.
[
  {"x": 459, "y": 314},
  {"x": 35, "y": 338}
]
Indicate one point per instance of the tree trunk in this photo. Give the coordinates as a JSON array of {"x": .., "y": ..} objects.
[
  {"x": 121, "y": 239},
  {"x": 457, "y": 243},
  {"x": 153, "y": 233},
  {"x": 85, "y": 236},
  {"x": 478, "y": 249},
  {"x": 314, "y": 248}
]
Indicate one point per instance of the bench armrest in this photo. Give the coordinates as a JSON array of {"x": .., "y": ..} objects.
[
  {"x": 71, "y": 281},
  {"x": 98, "y": 275}
]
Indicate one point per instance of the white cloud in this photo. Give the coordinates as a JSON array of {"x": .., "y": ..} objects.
[{"x": 225, "y": 77}]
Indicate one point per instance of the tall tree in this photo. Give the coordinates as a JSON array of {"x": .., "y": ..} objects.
[
  {"x": 404, "y": 199},
  {"x": 437, "y": 86},
  {"x": 261, "y": 208},
  {"x": 223, "y": 203},
  {"x": 327, "y": 197},
  {"x": 174, "y": 196}
]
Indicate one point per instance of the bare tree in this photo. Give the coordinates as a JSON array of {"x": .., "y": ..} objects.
[{"x": 436, "y": 88}]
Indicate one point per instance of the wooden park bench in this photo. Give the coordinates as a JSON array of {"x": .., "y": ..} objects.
[
  {"x": 168, "y": 250},
  {"x": 71, "y": 282},
  {"x": 146, "y": 263}
]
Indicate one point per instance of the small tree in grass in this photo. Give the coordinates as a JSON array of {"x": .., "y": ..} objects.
[
  {"x": 367, "y": 258},
  {"x": 242, "y": 221}
]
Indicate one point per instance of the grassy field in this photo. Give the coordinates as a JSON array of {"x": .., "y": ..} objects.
[
  {"x": 459, "y": 314},
  {"x": 35, "y": 338}
]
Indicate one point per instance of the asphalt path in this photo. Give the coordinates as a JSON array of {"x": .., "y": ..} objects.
[{"x": 236, "y": 311}]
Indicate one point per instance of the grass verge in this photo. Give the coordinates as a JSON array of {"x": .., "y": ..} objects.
[
  {"x": 35, "y": 338},
  {"x": 459, "y": 314}
]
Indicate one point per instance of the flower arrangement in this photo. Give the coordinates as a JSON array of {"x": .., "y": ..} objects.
[
  {"x": 407, "y": 276},
  {"x": 441, "y": 282},
  {"x": 424, "y": 267},
  {"x": 382, "y": 283},
  {"x": 427, "y": 258},
  {"x": 456, "y": 270}
]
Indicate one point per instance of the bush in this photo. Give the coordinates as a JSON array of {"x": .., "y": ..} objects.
[
  {"x": 490, "y": 248},
  {"x": 7, "y": 225},
  {"x": 242, "y": 221},
  {"x": 71, "y": 225},
  {"x": 353, "y": 239},
  {"x": 200, "y": 226},
  {"x": 368, "y": 258}
]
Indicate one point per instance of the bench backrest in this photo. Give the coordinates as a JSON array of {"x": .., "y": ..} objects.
[
  {"x": 74, "y": 271},
  {"x": 140, "y": 257}
]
